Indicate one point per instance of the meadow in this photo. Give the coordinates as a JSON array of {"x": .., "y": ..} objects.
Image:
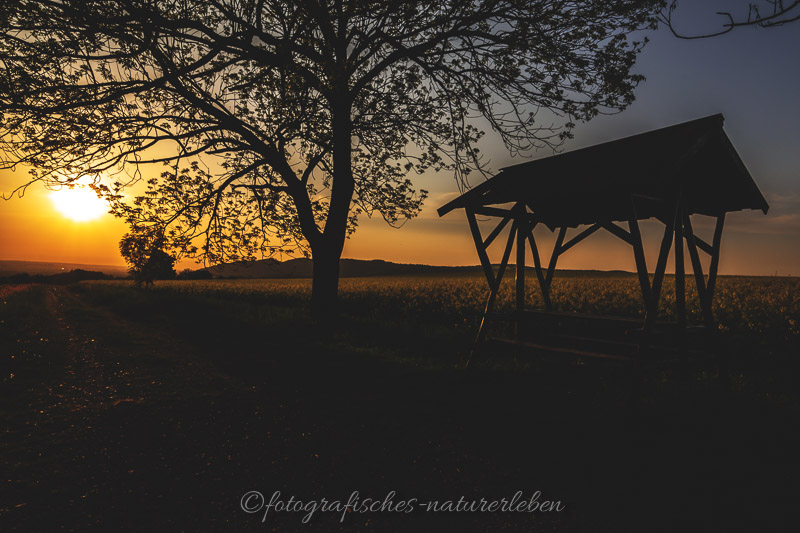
[
  {"x": 158, "y": 408},
  {"x": 763, "y": 310}
]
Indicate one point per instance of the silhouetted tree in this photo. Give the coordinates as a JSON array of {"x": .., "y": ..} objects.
[
  {"x": 766, "y": 14},
  {"x": 307, "y": 113},
  {"x": 188, "y": 273},
  {"x": 146, "y": 259}
]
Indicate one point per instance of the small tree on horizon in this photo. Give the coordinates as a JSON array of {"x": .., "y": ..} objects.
[
  {"x": 282, "y": 122},
  {"x": 146, "y": 259}
]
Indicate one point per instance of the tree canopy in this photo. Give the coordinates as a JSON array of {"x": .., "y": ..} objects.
[{"x": 281, "y": 122}]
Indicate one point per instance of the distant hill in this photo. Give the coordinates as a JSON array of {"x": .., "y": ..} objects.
[
  {"x": 33, "y": 268},
  {"x": 355, "y": 268},
  {"x": 293, "y": 268},
  {"x": 349, "y": 268}
]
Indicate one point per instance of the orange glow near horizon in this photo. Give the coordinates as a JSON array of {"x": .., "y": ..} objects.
[{"x": 31, "y": 229}]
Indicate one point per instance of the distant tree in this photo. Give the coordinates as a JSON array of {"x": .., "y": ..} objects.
[
  {"x": 307, "y": 113},
  {"x": 160, "y": 265},
  {"x": 188, "y": 273},
  {"x": 146, "y": 259},
  {"x": 766, "y": 14}
]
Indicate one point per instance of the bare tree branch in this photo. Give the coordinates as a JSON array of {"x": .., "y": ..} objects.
[{"x": 778, "y": 13}]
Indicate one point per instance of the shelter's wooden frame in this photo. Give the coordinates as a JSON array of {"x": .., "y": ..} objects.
[
  {"x": 668, "y": 174},
  {"x": 678, "y": 230}
]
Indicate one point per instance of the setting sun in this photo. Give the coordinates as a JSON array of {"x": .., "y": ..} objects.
[{"x": 79, "y": 203}]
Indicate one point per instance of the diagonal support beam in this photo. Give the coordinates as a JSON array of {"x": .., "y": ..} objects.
[
  {"x": 479, "y": 246},
  {"x": 537, "y": 263},
  {"x": 492, "y": 211},
  {"x": 506, "y": 256},
  {"x": 619, "y": 232},
  {"x": 703, "y": 245},
  {"x": 551, "y": 268},
  {"x": 495, "y": 288},
  {"x": 579, "y": 237},
  {"x": 697, "y": 268},
  {"x": 496, "y": 231},
  {"x": 638, "y": 255},
  {"x": 658, "y": 275}
]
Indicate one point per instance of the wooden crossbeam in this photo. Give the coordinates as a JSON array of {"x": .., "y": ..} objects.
[
  {"x": 649, "y": 198},
  {"x": 493, "y": 211},
  {"x": 578, "y": 238},
  {"x": 496, "y": 231},
  {"x": 616, "y": 230},
  {"x": 665, "y": 219},
  {"x": 563, "y": 349},
  {"x": 703, "y": 245}
]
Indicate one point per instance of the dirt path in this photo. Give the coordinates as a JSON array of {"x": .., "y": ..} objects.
[
  {"x": 102, "y": 414},
  {"x": 143, "y": 429}
]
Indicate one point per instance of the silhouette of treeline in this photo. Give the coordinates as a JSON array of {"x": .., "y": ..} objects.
[
  {"x": 10, "y": 267},
  {"x": 293, "y": 268},
  {"x": 353, "y": 268},
  {"x": 303, "y": 268},
  {"x": 78, "y": 274},
  {"x": 62, "y": 278}
]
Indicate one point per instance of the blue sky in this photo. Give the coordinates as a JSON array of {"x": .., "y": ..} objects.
[{"x": 751, "y": 76}]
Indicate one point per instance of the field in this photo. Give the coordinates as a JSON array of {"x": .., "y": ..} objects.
[
  {"x": 158, "y": 409},
  {"x": 762, "y": 311}
]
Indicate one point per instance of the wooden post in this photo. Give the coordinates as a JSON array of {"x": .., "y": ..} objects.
[
  {"x": 537, "y": 263},
  {"x": 522, "y": 230},
  {"x": 714, "y": 266},
  {"x": 658, "y": 276},
  {"x": 722, "y": 360},
  {"x": 697, "y": 268},
  {"x": 638, "y": 255},
  {"x": 482, "y": 255},
  {"x": 551, "y": 268},
  {"x": 707, "y": 292},
  {"x": 495, "y": 287},
  {"x": 680, "y": 289}
]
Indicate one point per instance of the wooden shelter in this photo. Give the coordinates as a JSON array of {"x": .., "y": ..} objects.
[{"x": 668, "y": 174}]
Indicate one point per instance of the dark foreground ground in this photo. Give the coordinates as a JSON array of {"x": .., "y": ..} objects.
[{"x": 161, "y": 415}]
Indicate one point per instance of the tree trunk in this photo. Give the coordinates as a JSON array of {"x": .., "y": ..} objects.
[
  {"x": 327, "y": 250},
  {"x": 325, "y": 287}
]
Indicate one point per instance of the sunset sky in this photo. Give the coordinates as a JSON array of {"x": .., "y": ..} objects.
[{"x": 751, "y": 76}]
